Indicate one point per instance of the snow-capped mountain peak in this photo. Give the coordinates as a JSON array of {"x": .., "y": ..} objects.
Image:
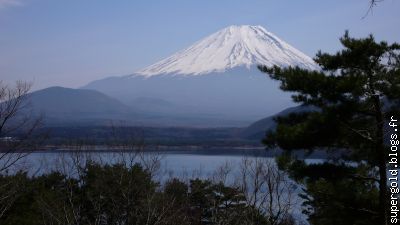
[{"x": 231, "y": 47}]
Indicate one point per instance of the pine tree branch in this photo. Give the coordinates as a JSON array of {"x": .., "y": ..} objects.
[{"x": 358, "y": 132}]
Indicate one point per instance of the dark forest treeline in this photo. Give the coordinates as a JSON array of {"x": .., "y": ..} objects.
[
  {"x": 166, "y": 136},
  {"x": 119, "y": 194}
]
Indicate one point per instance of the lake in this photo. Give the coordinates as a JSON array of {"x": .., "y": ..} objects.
[{"x": 191, "y": 162}]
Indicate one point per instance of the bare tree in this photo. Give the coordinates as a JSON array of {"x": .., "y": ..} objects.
[
  {"x": 269, "y": 195},
  {"x": 17, "y": 124},
  {"x": 268, "y": 190},
  {"x": 372, "y": 4},
  {"x": 17, "y": 127}
]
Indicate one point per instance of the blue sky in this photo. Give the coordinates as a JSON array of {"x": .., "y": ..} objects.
[{"x": 72, "y": 42}]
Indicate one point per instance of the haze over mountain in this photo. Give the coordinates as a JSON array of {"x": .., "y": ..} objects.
[
  {"x": 215, "y": 78},
  {"x": 61, "y": 105}
]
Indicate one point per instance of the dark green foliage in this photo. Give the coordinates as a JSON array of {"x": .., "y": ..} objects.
[
  {"x": 217, "y": 202},
  {"x": 344, "y": 201},
  {"x": 355, "y": 93},
  {"x": 177, "y": 190},
  {"x": 17, "y": 200},
  {"x": 118, "y": 194}
]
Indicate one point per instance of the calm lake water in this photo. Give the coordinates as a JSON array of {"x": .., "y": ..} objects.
[{"x": 171, "y": 162}]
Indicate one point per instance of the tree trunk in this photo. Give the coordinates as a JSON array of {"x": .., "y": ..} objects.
[{"x": 380, "y": 152}]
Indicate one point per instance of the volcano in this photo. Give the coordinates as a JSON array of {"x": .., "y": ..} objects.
[{"x": 216, "y": 78}]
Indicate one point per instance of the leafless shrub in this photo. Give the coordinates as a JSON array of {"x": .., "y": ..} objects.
[
  {"x": 17, "y": 124},
  {"x": 268, "y": 190}
]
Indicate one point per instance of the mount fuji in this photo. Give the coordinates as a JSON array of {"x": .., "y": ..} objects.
[{"x": 215, "y": 79}]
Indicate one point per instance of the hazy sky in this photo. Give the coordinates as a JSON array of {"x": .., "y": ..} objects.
[{"x": 72, "y": 42}]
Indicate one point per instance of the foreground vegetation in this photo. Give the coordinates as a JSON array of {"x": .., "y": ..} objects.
[{"x": 83, "y": 191}]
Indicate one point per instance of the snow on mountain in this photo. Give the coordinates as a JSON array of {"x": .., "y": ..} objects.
[{"x": 231, "y": 47}]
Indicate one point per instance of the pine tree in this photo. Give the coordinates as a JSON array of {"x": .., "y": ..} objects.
[{"x": 354, "y": 94}]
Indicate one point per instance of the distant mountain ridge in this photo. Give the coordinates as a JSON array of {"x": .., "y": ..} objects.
[
  {"x": 61, "y": 105},
  {"x": 239, "y": 94},
  {"x": 61, "y": 99},
  {"x": 258, "y": 129},
  {"x": 215, "y": 79}
]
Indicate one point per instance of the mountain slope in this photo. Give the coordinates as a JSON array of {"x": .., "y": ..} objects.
[
  {"x": 61, "y": 105},
  {"x": 231, "y": 47},
  {"x": 258, "y": 129}
]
